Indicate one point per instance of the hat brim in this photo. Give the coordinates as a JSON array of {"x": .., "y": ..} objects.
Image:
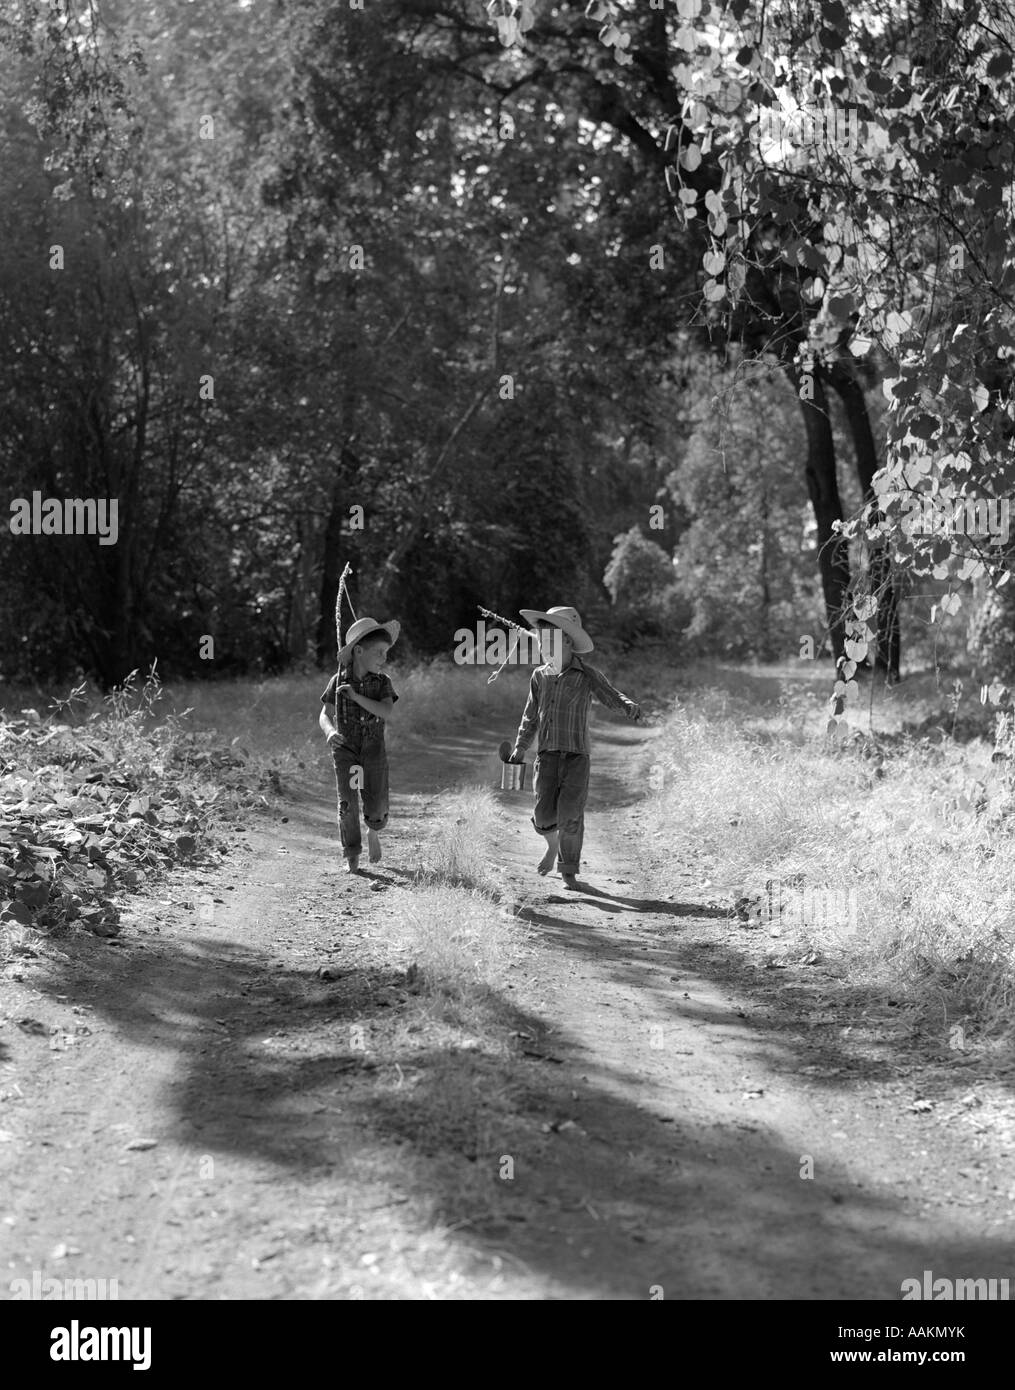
[
  {"x": 582, "y": 642},
  {"x": 392, "y": 630}
]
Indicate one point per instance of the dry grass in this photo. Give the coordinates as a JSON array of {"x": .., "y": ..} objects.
[
  {"x": 891, "y": 855},
  {"x": 275, "y": 719},
  {"x": 449, "y": 925},
  {"x": 442, "y": 697}
]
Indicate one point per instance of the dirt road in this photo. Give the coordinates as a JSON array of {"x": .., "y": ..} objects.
[{"x": 193, "y": 1112}]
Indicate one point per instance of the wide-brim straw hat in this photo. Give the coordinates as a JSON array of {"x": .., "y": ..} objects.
[
  {"x": 366, "y": 627},
  {"x": 567, "y": 620}
]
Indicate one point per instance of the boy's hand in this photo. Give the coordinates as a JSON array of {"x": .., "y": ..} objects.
[
  {"x": 515, "y": 756},
  {"x": 345, "y": 689},
  {"x": 634, "y": 712}
]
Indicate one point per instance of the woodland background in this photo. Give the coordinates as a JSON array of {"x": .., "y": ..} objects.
[{"x": 214, "y": 355}]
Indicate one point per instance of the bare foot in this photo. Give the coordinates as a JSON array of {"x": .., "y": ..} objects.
[
  {"x": 352, "y": 864},
  {"x": 570, "y": 881},
  {"x": 546, "y": 863},
  {"x": 374, "y": 843}
]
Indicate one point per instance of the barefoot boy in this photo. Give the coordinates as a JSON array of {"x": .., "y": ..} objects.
[
  {"x": 560, "y": 695},
  {"x": 361, "y": 698}
]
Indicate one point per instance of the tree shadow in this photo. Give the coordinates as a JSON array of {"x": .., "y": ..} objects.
[
  {"x": 608, "y": 1195},
  {"x": 821, "y": 1006},
  {"x": 616, "y": 902}
]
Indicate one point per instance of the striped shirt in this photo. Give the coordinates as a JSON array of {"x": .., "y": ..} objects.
[{"x": 558, "y": 707}]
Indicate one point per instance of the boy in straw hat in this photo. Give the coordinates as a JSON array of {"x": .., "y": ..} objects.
[
  {"x": 361, "y": 698},
  {"x": 560, "y": 694}
]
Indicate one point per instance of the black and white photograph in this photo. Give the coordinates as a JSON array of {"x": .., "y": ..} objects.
[{"x": 507, "y": 669}]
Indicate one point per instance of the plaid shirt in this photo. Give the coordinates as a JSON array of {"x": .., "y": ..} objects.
[
  {"x": 351, "y": 720},
  {"x": 558, "y": 706}
]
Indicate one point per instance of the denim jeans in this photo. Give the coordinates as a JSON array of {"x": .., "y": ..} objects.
[
  {"x": 562, "y": 787},
  {"x": 368, "y": 769}
]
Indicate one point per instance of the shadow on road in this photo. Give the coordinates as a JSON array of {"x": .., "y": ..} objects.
[
  {"x": 607, "y": 1196},
  {"x": 568, "y": 1171},
  {"x": 614, "y": 902}
]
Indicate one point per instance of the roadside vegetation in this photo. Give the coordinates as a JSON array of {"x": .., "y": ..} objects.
[
  {"x": 99, "y": 796},
  {"x": 890, "y": 853}
]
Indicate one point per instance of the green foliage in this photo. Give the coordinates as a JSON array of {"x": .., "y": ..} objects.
[
  {"x": 845, "y": 174},
  {"x": 867, "y": 178},
  {"x": 640, "y": 579},
  {"x": 639, "y": 570},
  {"x": 487, "y": 255},
  {"x": 92, "y": 809},
  {"x": 992, "y": 634},
  {"x": 746, "y": 562},
  {"x": 103, "y": 365}
]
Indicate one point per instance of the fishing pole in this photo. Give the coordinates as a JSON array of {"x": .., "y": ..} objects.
[
  {"x": 489, "y": 613},
  {"x": 338, "y": 624}
]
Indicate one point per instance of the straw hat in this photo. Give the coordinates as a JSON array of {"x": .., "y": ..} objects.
[
  {"x": 567, "y": 620},
  {"x": 366, "y": 627}
]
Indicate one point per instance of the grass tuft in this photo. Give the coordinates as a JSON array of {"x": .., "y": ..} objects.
[{"x": 450, "y": 924}]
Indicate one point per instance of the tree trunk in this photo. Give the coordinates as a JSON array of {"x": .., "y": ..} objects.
[
  {"x": 889, "y": 642},
  {"x": 992, "y": 631},
  {"x": 296, "y": 612},
  {"x": 766, "y": 588},
  {"x": 823, "y": 487}
]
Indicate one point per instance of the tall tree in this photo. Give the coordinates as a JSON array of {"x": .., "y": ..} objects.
[{"x": 894, "y": 219}]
